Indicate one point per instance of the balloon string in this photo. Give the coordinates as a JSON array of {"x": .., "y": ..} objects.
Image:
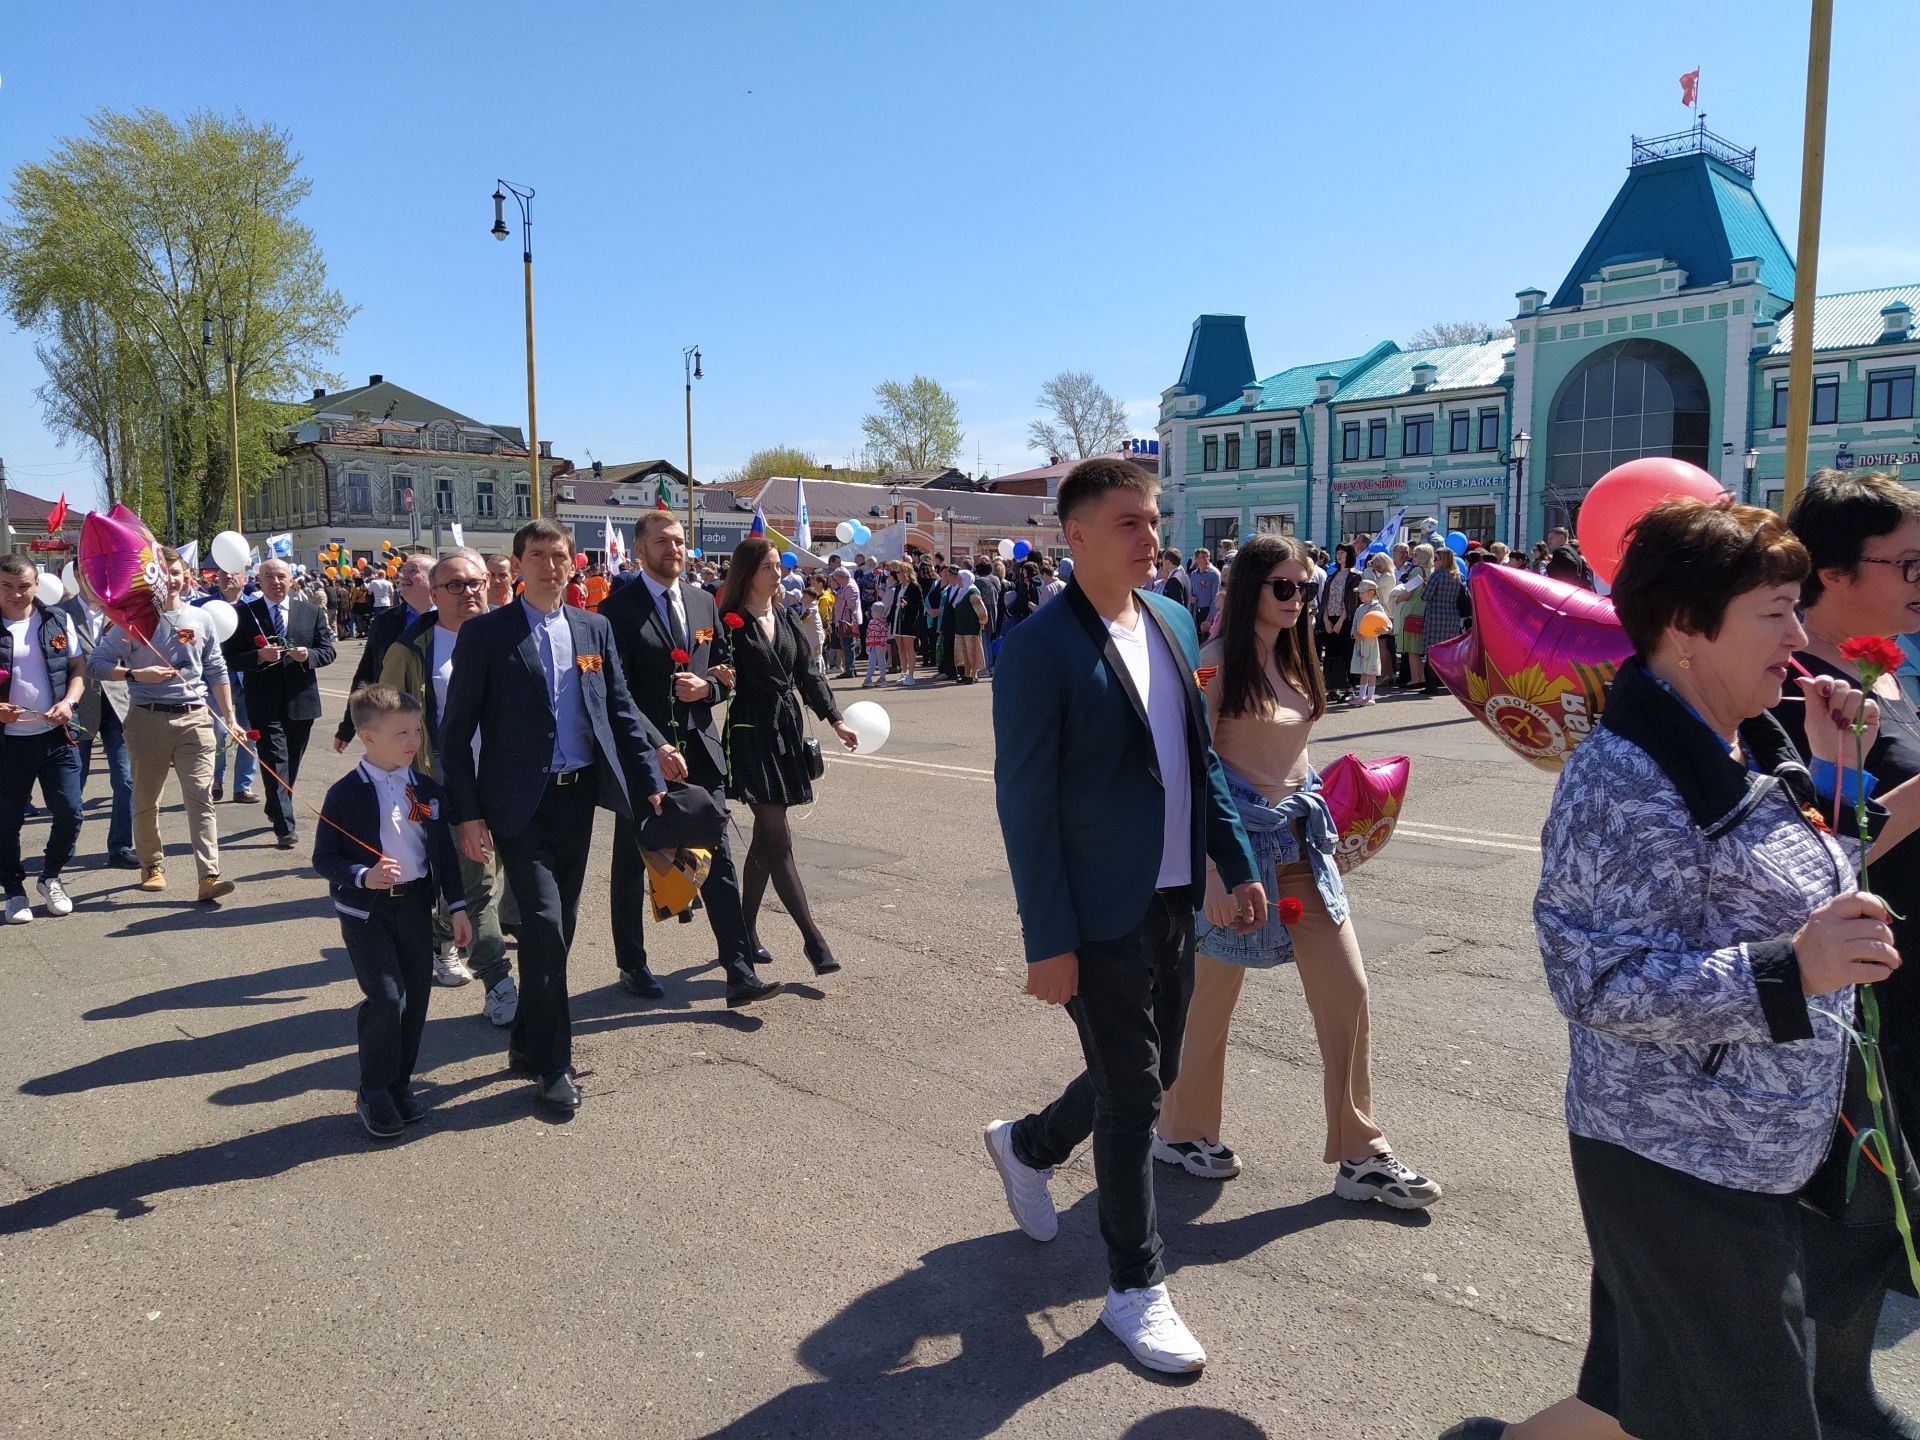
[{"x": 240, "y": 742}]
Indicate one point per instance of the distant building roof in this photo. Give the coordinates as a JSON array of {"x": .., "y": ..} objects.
[
  {"x": 27, "y": 514},
  {"x": 1456, "y": 367},
  {"x": 1849, "y": 319},
  {"x": 837, "y": 500},
  {"x": 1219, "y": 360},
  {"x": 1295, "y": 387},
  {"x": 589, "y": 491},
  {"x": 1055, "y": 472},
  {"x": 381, "y": 399}
]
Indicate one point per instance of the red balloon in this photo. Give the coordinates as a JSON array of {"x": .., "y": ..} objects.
[
  {"x": 580, "y": 562},
  {"x": 120, "y": 570},
  {"x": 1625, "y": 493},
  {"x": 1365, "y": 797},
  {"x": 1536, "y": 666}
]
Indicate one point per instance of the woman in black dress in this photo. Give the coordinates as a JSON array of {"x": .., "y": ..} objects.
[
  {"x": 766, "y": 734},
  {"x": 1862, "y": 532},
  {"x": 905, "y": 619}
]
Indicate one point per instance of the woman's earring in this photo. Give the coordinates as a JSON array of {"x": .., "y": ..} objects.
[{"x": 1686, "y": 662}]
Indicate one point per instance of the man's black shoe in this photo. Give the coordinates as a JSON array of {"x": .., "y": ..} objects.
[
  {"x": 411, "y": 1107},
  {"x": 378, "y": 1114},
  {"x": 124, "y": 860},
  {"x": 742, "y": 995},
  {"x": 560, "y": 1093},
  {"x": 287, "y": 842},
  {"x": 219, "y": 793},
  {"x": 641, "y": 982}
]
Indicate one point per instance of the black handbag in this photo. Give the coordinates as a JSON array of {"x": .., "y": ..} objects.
[{"x": 816, "y": 761}]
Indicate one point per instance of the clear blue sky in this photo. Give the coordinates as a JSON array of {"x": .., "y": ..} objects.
[{"x": 824, "y": 196}]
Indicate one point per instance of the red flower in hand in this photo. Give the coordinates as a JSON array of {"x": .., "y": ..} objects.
[
  {"x": 1875, "y": 652},
  {"x": 1289, "y": 909},
  {"x": 259, "y": 642},
  {"x": 680, "y": 657},
  {"x": 253, "y": 734},
  {"x": 733, "y": 621}
]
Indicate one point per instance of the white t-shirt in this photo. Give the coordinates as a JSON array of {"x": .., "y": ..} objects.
[
  {"x": 1159, "y": 678},
  {"x": 380, "y": 592},
  {"x": 32, "y": 687}
]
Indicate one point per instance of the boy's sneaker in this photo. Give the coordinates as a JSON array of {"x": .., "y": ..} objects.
[
  {"x": 19, "y": 912},
  {"x": 1027, "y": 1194},
  {"x": 503, "y": 1003},
  {"x": 411, "y": 1107},
  {"x": 1383, "y": 1178},
  {"x": 1208, "y": 1160},
  {"x": 449, "y": 968},
  {"x": 54, "y": 896},
  {"x": 379, "y": 1114},
  {"x": 1148, "y": 1325}
]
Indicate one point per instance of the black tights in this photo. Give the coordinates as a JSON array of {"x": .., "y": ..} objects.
[{"x": 770, "y": 857}]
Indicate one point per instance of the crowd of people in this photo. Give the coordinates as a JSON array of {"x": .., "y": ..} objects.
[{"x": 1700, "y": 916}]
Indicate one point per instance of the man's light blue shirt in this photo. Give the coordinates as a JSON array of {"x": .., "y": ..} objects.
[{"x": 572, "y": 735}]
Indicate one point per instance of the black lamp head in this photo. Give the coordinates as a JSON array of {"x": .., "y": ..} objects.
[{"x": 499, "y": 215}]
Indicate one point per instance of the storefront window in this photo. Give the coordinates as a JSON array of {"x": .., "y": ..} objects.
[
  {"x": 1280, "y": 524},
  {"x": 1473, "y": 521},
  {"x": 1630, "y": 398},
  {"x": 1362, "y": 524},
  {"x": 1216, "y": 530}
]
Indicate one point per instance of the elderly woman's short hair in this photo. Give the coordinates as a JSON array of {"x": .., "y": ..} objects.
[
  {"x": 1686, "y": 559},
  {"x": 1839, "y": 511}
]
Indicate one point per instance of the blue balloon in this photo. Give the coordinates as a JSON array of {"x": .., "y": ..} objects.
[
  {"x": 1456, "y": 542},
  {"x": 1021, "y": 549},
  {"x": 1376, "y": 548},
  {"x": 695, "y": 552},
  {"x": 789, "y": 559},
  {"x": 861, "y": 534}
]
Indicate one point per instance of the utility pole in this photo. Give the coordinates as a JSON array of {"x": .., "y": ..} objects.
[
  {"x": 1813, "y": 163},
  {"x": 690, "y": 359}
]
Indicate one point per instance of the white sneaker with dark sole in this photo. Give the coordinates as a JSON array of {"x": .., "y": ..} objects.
[
  {"x": 54, "y": 896},
  {"x": 1383, "y": 1178},
  {"x": 19, "y": 911},
  {"x": 1027, "y": 1194},
  {"x": 449, "y": 969},
  {"x": 1152, "y": 1330},
  {"x": 1205, "y": 1158}
]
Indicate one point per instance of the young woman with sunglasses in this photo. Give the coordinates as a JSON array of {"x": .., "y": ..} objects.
[{"x": 1264, "y": 693}]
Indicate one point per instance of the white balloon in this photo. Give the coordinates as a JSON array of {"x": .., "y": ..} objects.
[
  {"x": 1006, "y": 549},
  {"x": 230, "y": 552},
  {"x": 843, "y": 532},
  {"x": 870, "y": 723},
  {"x": 222, "y": 617},
  {"x": 50, "y": 590},
  {"x": 70, "y": 579}
]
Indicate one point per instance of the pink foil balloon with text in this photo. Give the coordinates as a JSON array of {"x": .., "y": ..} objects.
[
  {"x": 1536, "y": 666},
  {"x": 120, "y": 570},
  {"x": 1365, "y": 797}
]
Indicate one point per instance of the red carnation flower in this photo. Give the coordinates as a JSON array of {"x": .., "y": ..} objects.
[
  {"x": 259, "y": 642},
  {"x": 733, "y": 621},
  {"x": 5, "y": 676},
  {"x": 253, "y": 734},
  {"x": 1874, "y": 652},
  {"x": 1290, "y": 910},
  {"x": 680, "y": 657}
]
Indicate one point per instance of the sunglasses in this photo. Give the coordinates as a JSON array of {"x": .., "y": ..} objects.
[{"x": 1285, "y": 589}]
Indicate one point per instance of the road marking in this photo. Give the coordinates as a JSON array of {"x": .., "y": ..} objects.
[
  {"x": 919, "y": 767},
  {"x": 1460, "y": 837},
  {"x": 1483, "y": 834}
]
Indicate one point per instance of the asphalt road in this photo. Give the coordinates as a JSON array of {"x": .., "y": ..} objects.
[{"x": 781, "y": 1224}]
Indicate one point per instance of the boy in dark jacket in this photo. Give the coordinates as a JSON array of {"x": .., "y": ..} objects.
[{"x": 384, "y": 847}]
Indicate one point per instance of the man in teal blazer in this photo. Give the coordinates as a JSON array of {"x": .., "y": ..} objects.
[{"x": 1111, "y": 801}]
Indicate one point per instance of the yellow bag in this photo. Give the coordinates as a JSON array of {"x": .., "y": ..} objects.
[{"x": 674, "y": 878}]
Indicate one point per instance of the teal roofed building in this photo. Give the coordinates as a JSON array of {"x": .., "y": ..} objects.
[{"x": 1668, "y": 335}]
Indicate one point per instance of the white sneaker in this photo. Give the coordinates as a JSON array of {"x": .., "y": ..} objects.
[
  {"x": 1148, "y": 1325},
  {"x": 19, "y": 912},
  {"x": 54, "y": 896},
  {"x": 449, "y": 968},
  {"x": 1027, "y": 1194},
  {"x": 1383, "y": 1178},
  {"x": 503, "y": 1003},
  {"x": 1205, "y": 1158}
]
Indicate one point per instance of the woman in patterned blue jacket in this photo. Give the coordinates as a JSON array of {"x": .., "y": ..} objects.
[{"x": 1701, "y": 932}]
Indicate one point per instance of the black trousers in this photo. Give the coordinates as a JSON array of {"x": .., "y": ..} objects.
[
  {"x": 720, "y": 896},
  {"x": 1336, "y": 658},
  {"x": 1131, "y": 1012},
  {"x": 392, "y": 955},
  {"x": 546, "y": 864},
  {"x": 281, "y": 745}
]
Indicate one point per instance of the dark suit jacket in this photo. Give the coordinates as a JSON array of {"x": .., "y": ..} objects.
[
  {"x": 646, "y": 656},
  {"x": 352, "y": 804},
  {"x": 1175, "y": 588},
  {"x": 499, "y": 689},
  {"x": 287, "y": 690},
  {"x": 1077, "y": 780},
  {"x": 385, "y": 628}
]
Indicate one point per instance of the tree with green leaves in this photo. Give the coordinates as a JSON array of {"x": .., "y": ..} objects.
[
  {"x": 1082, "y": 418},
  {"x": 1457, "y": 332},
  {"x": 916, "y": 427},
  {"x": 787, "y": 460},
  {"x": 130, "y": 243}
]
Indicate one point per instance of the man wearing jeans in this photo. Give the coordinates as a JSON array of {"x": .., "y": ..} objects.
[
  {"x": 41, "y": 679},
  {"x": 1111, "y": 801}
]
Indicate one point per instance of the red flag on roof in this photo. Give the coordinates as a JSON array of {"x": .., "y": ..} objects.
[
  {"x": 1690, "y": 87},
  {"x": 662, "y": 497},
  {"x": 57, "y": 516}
]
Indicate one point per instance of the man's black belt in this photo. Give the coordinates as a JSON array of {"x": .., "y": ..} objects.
[
  {"x": 571, "y": 777},
  {"x": 406, "y": 887},
  {"x": 166, "y": 709}
]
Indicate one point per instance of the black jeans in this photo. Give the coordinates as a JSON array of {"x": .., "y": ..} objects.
[
  {"x": 282, "y": 744},
  {"x": 1336, "y": 659},
  {"x": 392, "y": 955},
  {"x": 1131, "y": 1012},
  {"x": 720, "y": 895},
  {"x": 546, "y": 864},
  {"x": 51, "y": 760}
]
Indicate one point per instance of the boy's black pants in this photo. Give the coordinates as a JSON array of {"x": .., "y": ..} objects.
[{"x": 392, "y": 955}]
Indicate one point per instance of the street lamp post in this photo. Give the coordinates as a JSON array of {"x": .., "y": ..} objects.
[
  {"x": 947, "y": 515},
  {"x": 233, "y": 405},
  {"x": 1751, "y": 460},
  {"x": 690, "y": 360},
  {"x": 1518, "y": 448},
  {"x": 524, "y": 195},
  {"x": 895, "y": 499}
]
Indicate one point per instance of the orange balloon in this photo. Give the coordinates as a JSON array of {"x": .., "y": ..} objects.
[{"x": 1372, "y": 627}]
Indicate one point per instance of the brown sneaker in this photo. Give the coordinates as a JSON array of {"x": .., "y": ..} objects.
[
  {"x": 152, "y": 877},
  {"x": 212, "y": 887}
]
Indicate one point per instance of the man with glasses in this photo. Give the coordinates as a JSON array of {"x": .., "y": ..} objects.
[{"x": 420, "y": 664}]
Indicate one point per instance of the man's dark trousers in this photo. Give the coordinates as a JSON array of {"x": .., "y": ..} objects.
[
  {"x": 546, "y": 865},
  {"x": 1131, "y": 1012},
  {"x": 281, "y": 745},
  {"x": 49, "y": 759},
  {"x": 720, "y": 896},
  {"x": 392, "y": 955}
]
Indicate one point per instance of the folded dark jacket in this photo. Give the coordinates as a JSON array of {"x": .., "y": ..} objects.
[{"x": 689, "y": 818}]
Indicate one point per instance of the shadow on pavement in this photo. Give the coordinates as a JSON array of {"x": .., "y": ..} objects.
[
  {"x": 953, "y": 1348},
  {"x": 283, "y": 985}
]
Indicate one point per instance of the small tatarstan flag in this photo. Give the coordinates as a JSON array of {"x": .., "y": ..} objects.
[{"x": 662, "y": 497}]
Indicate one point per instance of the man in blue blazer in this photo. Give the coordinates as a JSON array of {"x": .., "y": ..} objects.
[
  {"x": 540, "y": 682},
  {"x": 1111, "y": 801}
]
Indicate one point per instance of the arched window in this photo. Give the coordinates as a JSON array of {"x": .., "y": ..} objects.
[{"x": 1631, "y": 398}]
